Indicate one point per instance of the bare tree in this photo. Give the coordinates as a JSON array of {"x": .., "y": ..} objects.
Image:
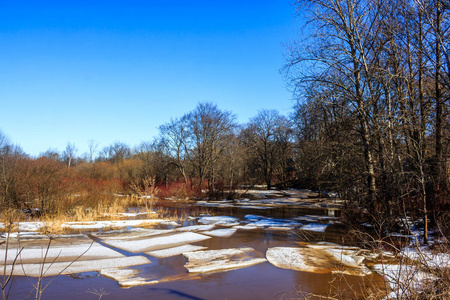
[
  {"x": 208, "y": 128},
  {"x": 174, "y": 140},
  {"x": 92, "y": 145},
  {"x": 268, "y": 140},
  {"x": 344, "y": 47},
  {"x": 115, "y": 153},
  {"x": 69, "y": 154}
]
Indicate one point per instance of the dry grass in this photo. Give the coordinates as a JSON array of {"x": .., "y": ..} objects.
[{"x": 107, "y": 207}]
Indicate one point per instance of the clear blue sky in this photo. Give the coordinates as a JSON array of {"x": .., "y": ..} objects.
[{"x": 71, "y": 71}]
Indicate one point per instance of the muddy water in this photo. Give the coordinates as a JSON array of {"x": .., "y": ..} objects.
[{"x": 262, "y": 281}]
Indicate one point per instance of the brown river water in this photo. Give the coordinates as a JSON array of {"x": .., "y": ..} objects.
[{"x": 260, "y": 281}]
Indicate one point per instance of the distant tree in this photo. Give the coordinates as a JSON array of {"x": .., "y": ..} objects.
[
  {"x": 208, "y": 128},
  {"x": 50, "y": 153},
  {"x": 268, "y": 141},
  {"x": 69, "y": 154},
  {"x": 115, "y": 153},
  {"x": 174, "y": 139},
  {"x": 44, "y": 178},
  {"x": 92, "y": 146}
]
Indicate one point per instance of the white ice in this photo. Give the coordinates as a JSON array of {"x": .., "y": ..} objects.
[
  {"x": 130, "y": 233},
  {"x": 346, "y": 257},
  {"x": 175, "y": 251},
  {"x": 34, "y": 270},
  {"x": 157, "y": 243},
  {"x": 300, "y": 259},
  {"x": 219, "y": 220},
  {"x": 275, "y": 223},
  {"x": 246, "y": 227},
  {"x": 315, "y": 227},
  {"x": 220, "y": 232},
  {"x": 221, "y": 260},
  {"x": 197, "y": 228},
  {"x": 107, "y": 224},
  {"x": 60, "y": 252},
  {"x": 316, "y": 260}
]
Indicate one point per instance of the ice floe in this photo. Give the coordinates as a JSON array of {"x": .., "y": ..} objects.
[
  {"x": 119, "y": 274},
  {"x": 170, "y": 223},
  {"x": 158, "y": 242},
  {"x": 197, "y": 228},
  {"x": 175, "y": 251},
  {"x": 269, "y": 223},
  {"x": 300, "y": 259},
  {"x": 246, "y": 227},
  {"x": 219, "y": 220},
  {"x": 317, "y": 260},
  {"x": 131, "y": 277},
  {"x": 129, "y": 233},
  {"x": 317, "y": 227},
  {"x": 346, "y": 257},
  {"x": 52, "y": 269},
  {"x": 59, "y": 252},
  {"x": 20, "y": 234},
  {"x": 226, "y": 232},
  {"x": 265, "y": 223},
  {"x": 221, "y": 260},
  {"x": 126, "y": 277},
  {"x": 108, "y": 224}
]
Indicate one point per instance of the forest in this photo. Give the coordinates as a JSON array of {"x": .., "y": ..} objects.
[{"x": 370, "y": 123}]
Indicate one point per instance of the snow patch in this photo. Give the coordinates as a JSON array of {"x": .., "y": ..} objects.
[
  {"x": 219, "y": 220},
  {"x": 427, "y": 258},
  {"x": 60, "y": 252},
  {"x": 53, "y": 269},
  {"x": 130, "y": 233},
  {"x": 345, "y": 257},
  {"x": 107, "y": 224},
  {"x": 157, "y": 243},
  {"x": 20, "y": 234},
  {"x": 403, "y": 278},
  {"x": 275, "y": 223},
  {"x": 300, "y": 259},
  {"x": 317, "y": 260},
  {"x": 197, "y": 228},
  {"x": 221, "y": 260},
  {"x": 315, "y": 227},
  {"x": 220, "y": 232},
  {"x": 175, "y": 251},
  {"x": 246, "y": 227}
]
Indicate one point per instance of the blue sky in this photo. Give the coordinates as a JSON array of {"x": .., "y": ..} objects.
[{"x": 111, "y": 71}]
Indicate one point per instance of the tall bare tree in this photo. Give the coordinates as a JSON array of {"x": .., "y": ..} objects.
[
  {"x": 69, "y": 154},
  {"x": 209, "y": 128}
]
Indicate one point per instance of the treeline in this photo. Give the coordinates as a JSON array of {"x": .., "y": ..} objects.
[
  {"x": 204, "y": 153},
  {"x": 373, "y": 77}
]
